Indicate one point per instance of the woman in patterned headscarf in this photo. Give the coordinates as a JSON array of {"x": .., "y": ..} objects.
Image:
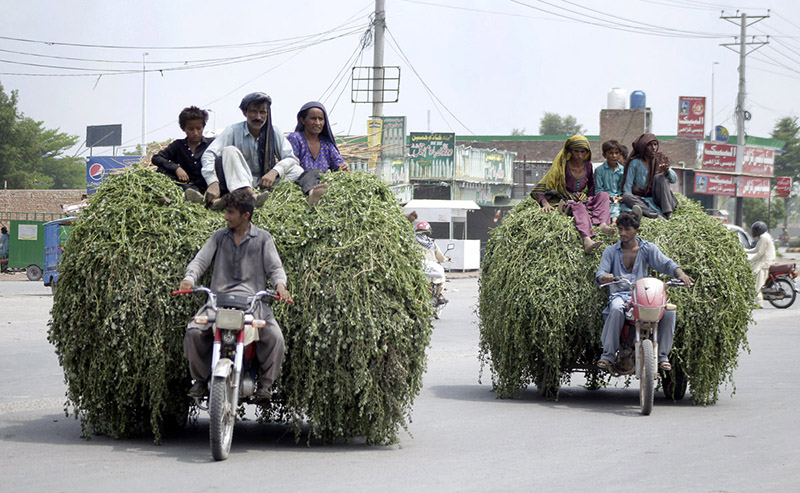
[
  {"x": 313, "y": 141},
  {"x": 571, "y": 182},
  {"x": 645, "y": 186}
]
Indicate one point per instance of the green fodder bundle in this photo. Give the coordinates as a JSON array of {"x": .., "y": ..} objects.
[
  {"x": 540, "y": 308},
  {"x": 116, "y": 328},
  {"x": 356, "y": 336},
  {"x": 357, "y": 333}
]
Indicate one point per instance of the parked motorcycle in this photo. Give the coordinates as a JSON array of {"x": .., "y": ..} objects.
[
  {"x": 638, "y": 354},
  {"x": 780, "y": 289},
  {"x": 436, "y": 276},
  {"x": 234, "y": 367}
]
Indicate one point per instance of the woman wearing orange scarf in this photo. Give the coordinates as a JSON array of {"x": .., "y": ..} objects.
[{"x": 571, "y": 182}]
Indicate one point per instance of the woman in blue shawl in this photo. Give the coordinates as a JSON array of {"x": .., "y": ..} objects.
[{"x": 313, "y": 141}]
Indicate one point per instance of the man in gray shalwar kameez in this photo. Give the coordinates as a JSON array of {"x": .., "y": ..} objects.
[{"x": 244, "y": 259}]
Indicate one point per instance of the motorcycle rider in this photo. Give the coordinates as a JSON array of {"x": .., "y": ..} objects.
[
  {"x": 761, "y": 256},
  {"x": 244, "y": 258},
  {"x": 432, "y": 255},
  {"x": 630, "y": 258}
]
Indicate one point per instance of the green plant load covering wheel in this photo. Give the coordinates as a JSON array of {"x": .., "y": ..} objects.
[
  {"x": 540, "y": 307},
  {"x": 355, "y": 336}
]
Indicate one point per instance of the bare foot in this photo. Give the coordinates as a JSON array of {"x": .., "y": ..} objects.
[
  {"x": 589, "y": 244},
  {"x": 317, "y": 192},
  {"x": 606, "y": 229}
]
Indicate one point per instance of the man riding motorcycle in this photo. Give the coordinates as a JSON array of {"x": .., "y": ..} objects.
[
  {"x": 761, "y": 256},
  {"x": 432, "y": 255}
]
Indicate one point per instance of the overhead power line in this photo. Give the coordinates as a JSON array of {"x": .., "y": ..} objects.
[{"x": 427, "y": 88}]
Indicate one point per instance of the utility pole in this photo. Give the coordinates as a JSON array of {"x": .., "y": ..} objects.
[
  {"x": 741, "y": 114},
  {"x": 379, "y": 24},
  {"x": 377, "y": 59}
]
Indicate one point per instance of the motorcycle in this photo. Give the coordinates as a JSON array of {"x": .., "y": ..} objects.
[
  {"x": 233, "y": 362},
  {"x": 780, "y": 289},
  {"x": 436, "y": 277},
  {"x": 638, "y": 354}
]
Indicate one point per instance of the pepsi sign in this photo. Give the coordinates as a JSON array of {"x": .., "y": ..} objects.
[{"x": 98, "y": 168}]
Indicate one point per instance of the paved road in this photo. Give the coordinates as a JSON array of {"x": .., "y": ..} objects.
[{"x": 463, "y": 437}]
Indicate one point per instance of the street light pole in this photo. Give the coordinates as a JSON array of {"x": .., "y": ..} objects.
[
  {"x": 144, "y": 126},
  {"x": 713, "y": 132}
]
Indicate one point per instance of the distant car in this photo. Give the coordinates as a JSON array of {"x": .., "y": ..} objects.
[{"x": 744, "y": 237}]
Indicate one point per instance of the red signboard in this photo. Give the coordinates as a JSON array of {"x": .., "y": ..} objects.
[
  {"x": 753, "y": 187},
  {"x": 758, "y": 161},
  {"x": 719, "y": 157},
  {"x": 715, "y": 184},
  {"x": 784, "y": 188},
  {"x": 691, "y": 117}
]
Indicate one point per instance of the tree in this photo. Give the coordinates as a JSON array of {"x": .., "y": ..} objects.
[
  {"x": 788, "y": 130},
  {"x": 788, "y": 164},
  {"x": 31, "y": 155},
  {"x": 756, "y": 210},
  {"x": 518, "y": 131},
  {"x": 555, "y": 124}
]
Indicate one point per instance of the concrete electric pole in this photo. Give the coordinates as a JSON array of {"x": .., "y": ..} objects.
[
  {"x": 377, "y": 59},
  {"x": 741, "y": 114}
]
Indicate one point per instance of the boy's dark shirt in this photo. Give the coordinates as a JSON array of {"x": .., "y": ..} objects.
[{"x": 178, "y": 154}]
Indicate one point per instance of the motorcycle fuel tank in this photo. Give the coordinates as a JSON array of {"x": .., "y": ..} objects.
[{"x": 649, "y": 299}]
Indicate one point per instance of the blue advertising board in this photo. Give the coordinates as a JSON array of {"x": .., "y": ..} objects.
[{"x": 100, "y": 167}]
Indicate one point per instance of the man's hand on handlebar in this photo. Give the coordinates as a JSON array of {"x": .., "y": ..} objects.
[
  {"x": 185, "y": 284},
  {"x": 688, "y": 281},
  {"x": 283, "y": 292},
  {"x": 605, "y": 278}
]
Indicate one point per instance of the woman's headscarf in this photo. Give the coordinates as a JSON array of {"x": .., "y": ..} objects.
[
  {"x": 327, "y": 133},
  {"x": 651, "y": 163},
  {"x": 555, "y": 181}
]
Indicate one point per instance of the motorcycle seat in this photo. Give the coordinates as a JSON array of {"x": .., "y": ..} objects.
[{"x": 779, "y": 268}]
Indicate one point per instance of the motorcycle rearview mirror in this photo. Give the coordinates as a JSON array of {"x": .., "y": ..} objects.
[{"x": 450, "y": 246}]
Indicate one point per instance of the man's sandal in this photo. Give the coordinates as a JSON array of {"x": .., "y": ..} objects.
[
  {"x": 665, "y": 366},
  {"x": 603, "y": 364}
]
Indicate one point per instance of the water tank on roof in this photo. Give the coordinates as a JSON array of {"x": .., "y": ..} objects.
[
  {"x": 638, "y": 100},
  {"x": 617, "y": 97}
]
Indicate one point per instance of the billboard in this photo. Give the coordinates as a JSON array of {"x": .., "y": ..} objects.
[
  {"x": 374, "y": 134},
  {"x": 753, "y": 187},
  {"x": 722, "y": 157},
  {"x": 98, "y": 168},
  {"x": 432, "y": 148},
  {"x": 758, "y": 161},
  {"x": 784, "y": 187},
  {"x": 719, "y": 157},
  {"x": 715, "y": 184},
  {"x": 103, "y": 135},
  {"x": 394, "y": 136},
  {"x": 691, "y": 117}
]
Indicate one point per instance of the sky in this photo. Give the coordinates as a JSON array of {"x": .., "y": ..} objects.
[{"x": 473, "y": 67}]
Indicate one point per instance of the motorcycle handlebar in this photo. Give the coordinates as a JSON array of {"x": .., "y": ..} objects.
[
  {"x": 269, "y": 293},
  {"x": 617, "y": 280}
]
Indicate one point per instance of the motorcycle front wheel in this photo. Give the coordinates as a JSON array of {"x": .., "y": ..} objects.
[
  {"x": 222, "y": 416},
  {"x": 647, "y": 381},
  {"x": 789, "y": 294}
]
